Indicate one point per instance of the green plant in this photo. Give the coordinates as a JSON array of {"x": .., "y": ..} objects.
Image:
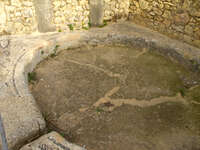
[
  {"x": 85, "y": 28},
  {"x": 89, "y": 24},
  {"x": 42, "y": 52},
  {"x": 54, "y": 51},
  {"x": 56, "y": 47},
  {"x": 193, "y": 62},
  {"x": 32, "y": 77},
  {"x": 53, "y": 55},
  {"x": 104, "y": 24},
  {"x": 182, "y": 92},
  {"x": 99, "y": 110},
  {"x": 71, "y": 27},
  {"x": 59, "y": 30}
]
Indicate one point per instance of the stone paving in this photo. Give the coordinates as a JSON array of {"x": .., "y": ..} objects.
[{"x": 20, "y": 54}]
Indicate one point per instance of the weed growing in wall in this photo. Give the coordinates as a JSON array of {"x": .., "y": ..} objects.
[
  {"x": 105, "y": 23},
  {"x": 71, "y": 27}
]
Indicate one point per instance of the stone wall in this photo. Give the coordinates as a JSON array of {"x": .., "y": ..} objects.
[
  {"x": 76, "y": 12},
  {"x": 115, "y": 9},
  {"x": 70, "y": 14},
  {"x": 17, "y": 16},
  {"x": 178, "y": 19}
]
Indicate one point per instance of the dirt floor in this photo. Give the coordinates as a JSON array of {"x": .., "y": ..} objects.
[{"x": 119, "y": 98}]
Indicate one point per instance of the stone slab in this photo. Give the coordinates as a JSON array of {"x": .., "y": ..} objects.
[
  {"x": 44, "y": 15},
  {"x": 51, "y": 141},
  {"x": 2, "y": 14},
  {"x": 96, "y": 12}
]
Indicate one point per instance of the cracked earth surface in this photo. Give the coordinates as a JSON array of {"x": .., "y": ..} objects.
[{"x": 118, "y": 97}]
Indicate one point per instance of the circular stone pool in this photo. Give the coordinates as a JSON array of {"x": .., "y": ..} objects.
[{"x": 114, "y": 97}]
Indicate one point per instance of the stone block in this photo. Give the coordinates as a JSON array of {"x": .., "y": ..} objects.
[
  {"x": 96, "y": 12},
  {"x": 44, "y": 15},
  {"x": 2, "y": 14},
  {"x": 22, "y": 120},
  {"x": 51, "y": 141}
]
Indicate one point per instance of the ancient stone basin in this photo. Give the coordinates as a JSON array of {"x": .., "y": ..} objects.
[
  {"x": 117, "y": 88},
  {"x": 23, "y": 118}
]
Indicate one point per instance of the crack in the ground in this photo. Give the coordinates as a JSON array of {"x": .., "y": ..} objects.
[
  {"x": 194, "y": 102},
  {"x": 134, "y": 102},
  {"x": 109, "y": 73},
  {"x": 141, "y": 53}
]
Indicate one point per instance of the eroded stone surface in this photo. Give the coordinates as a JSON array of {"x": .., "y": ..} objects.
[{"x": 51, "y": 141}]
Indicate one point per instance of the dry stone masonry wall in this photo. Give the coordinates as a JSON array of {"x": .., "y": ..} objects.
[
  {"x": 17, "y": 16},
  {"x": 179, "y": 19},
  {"x": 115, "y": 9},
  {"x": 71, "y": 14},
  {"x": 75, "y": 13}
]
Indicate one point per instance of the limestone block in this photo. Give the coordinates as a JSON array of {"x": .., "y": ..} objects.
[
  {"x": 28, "y": 12},
  {"x": 195, "y": 13},
  {"x": 2, "y": 14},
  {"x": 18, "y": 14},
  {"x": 44, "y": 15},
  {"x": 27, "y": 3},
  {"x": 51, "y": 141},
  {"x": 21, "y": 118},
  {"x": 181, "y": 18},
  {"x": 189, "y": 29},
  {"x": 143, "y": 4},
  {"x": 16, "y": 3},
  {"x": 96, "y": 12}
]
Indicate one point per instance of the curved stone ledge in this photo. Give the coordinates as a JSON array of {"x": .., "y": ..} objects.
[{"x": 21, "y": 115}]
